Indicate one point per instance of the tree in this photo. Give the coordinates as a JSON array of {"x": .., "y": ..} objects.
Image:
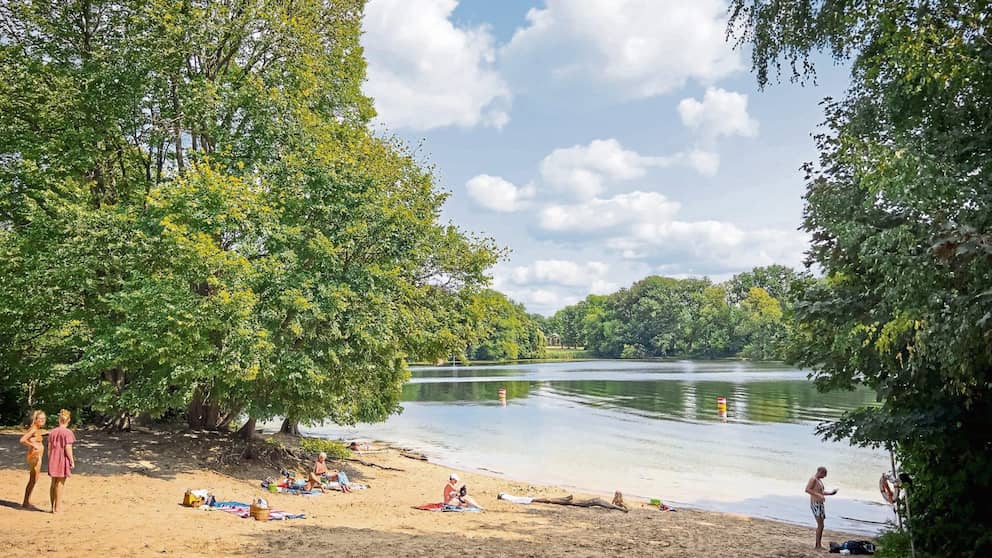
[
  {"x": 194, "y": 215},
  {"x": 776, "y": 280},
  {"x": 714, "y": 325},
  {"x": 899, "y": 212},
  {"x": 504, "y": 330},
  {"x": 761, "y": 328}
]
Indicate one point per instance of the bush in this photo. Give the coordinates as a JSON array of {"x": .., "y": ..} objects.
[
  {"x": 893, "y": 544},
  {"x": 334, "y": 450}
]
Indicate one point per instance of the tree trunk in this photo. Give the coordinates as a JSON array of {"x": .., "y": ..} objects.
[
  {"x": 203, "y": 412},
  {"x": 247, "y": 431},
  {"x": 290, "y": 426}
]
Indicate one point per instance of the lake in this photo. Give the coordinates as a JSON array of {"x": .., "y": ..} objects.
[{"x": 648, "y": 429}]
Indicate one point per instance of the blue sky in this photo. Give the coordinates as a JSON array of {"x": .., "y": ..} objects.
[{"x": 601, "y": 141}]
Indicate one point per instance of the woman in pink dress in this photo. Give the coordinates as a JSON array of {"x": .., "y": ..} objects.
[{"x": 60, "y": 459}]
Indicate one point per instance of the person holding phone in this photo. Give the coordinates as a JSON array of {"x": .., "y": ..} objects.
[
  {"x": 457, "y": 497},
  {"x": 817, "y": 502}
]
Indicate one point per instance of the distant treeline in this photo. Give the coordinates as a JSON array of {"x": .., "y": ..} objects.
[{"x": 746, "y": 316}]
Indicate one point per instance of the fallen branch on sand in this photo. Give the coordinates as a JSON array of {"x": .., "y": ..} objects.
[
  {"x": 411, "y": 455},
  {"x": 571, "y": 501},
  {"x": 370, "y": 464}
]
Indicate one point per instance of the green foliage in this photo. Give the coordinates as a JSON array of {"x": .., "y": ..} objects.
[
  {"x": 504, "y": 330},
  {"x": 900, "y": 212},
  {"x": 334, "y": 450},
  {"x": 893, "y": 544},
  {"x": 561, "y": 353},
  {"x": 194, "y": 216},
  {"x": 665, "y": 317}
]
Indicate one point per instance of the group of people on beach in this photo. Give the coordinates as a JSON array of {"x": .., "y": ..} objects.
[{"x": 61, "y": 460}]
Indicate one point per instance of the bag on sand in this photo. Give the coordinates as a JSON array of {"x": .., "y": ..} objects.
[{"x": 854, "y": 547}]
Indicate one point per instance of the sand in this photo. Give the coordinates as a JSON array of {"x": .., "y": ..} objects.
[{"x": 123, "y": 500}]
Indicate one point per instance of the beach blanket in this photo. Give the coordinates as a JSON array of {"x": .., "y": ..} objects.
[
  {"x": 243, "y": 511},
  {"x": 439, "y": 507},
  {"x": 300, "y": 490}
]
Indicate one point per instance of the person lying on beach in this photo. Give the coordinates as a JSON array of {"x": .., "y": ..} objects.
[
  {"x": 340, "y": 477},
  {"x": 457, "y": 497},
  {"x": 36, "y": 449}
]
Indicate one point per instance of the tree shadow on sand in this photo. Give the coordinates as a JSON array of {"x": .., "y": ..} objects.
[{"x": 156, "y": 454}]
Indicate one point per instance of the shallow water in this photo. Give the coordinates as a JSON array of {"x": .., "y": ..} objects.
[{"x": 649, "y": 429}]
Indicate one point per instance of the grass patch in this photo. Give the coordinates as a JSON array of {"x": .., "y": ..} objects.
[
  {"x": 561, "y": 353},
  {"x": 334, "y": 450}
]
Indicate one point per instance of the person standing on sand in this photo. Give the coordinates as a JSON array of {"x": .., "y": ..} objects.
[
  {"x": 36, "y": 449},
  {"x": 60, "y": 459},
  {"x": 817, "y": 502}
]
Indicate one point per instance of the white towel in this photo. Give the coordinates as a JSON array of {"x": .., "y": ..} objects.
[{"x": 515, "y": 499}]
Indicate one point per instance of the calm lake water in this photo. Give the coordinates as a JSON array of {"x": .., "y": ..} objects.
[{"x": 648, "y": 429}]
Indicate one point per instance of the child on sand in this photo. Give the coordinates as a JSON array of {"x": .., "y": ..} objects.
[
  {"x": 36, "y": 449},
  {"x": 60, "y": 459}
]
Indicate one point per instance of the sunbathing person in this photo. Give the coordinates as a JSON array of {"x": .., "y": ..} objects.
[
  {"x": 319, "y": 470},
  {"x": 320, "y": 473},
  {"x": 457, "y": 497},
  {"x": 339, "y": 477}
]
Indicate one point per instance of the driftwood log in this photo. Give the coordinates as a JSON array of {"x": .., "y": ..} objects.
[
  {"x": 589, "y": 503},
  {"x": 375, "y": 465},
  {"x": 412, "y": 455}
]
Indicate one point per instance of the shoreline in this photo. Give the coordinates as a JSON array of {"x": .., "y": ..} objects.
[
  {"x": 872, "y": 529},
  {"x": 123, "y": 500}
]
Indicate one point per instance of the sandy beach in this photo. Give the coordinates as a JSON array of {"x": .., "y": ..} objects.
[{"x": 124, "y": 500}]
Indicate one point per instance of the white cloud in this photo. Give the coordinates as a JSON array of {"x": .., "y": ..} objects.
[
  {"x": 547, "y": 285},
  {"x": 720, "y": 113},
  {"x": 560, "y": 272},
  {"x": 497, "y": 194},
  {"x": 608, "y": 214},
  {"x": 644, "y": 226},
  {"x": 643, "y": 47},
  {"x": 584, "y": 170},
  {"x": 425, "y": 72}
]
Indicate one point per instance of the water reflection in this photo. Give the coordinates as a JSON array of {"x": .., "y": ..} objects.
[{"x": 752, "y": 402}]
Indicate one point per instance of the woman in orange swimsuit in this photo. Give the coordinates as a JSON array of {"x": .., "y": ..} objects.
[{"x": 36, "y": 449}]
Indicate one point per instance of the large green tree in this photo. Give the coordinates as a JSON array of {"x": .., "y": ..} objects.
[
  {"x": 900, "y": 212},
  {"x": 194, "y": 215}
]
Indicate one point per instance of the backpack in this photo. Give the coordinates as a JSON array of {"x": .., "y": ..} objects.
[{"x": 854, "y": 547}]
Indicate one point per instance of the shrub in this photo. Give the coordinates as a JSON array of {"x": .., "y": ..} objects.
[{"x": 334, "y": 450}]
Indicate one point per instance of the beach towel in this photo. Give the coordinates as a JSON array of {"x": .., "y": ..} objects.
[
  {"x": 243, "y": 511},
  {"x": 514, "y": 499},
  {"x": 439, "y": 507}
]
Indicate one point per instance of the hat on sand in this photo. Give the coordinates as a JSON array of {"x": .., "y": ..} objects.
[{"x": 453, "y": 477}]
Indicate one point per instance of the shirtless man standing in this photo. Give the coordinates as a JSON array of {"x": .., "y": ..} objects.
[{"x": 817, "y": 498}]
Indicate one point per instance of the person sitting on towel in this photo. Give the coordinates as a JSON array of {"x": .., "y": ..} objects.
[
  {"x": 457, "y": 497},
  {"x": 320, "y": 473},
  {"x": 319, "y": 469}
]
